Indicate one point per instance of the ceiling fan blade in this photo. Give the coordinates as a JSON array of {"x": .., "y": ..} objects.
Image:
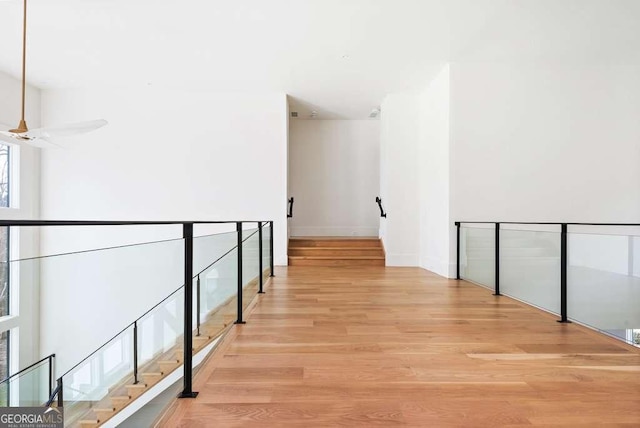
[
  {"x": 5, "y": 137},
  {"x": 23, "y": 139},
  {"x": 42, "y": 143},
  {"x": 66, "y": 130}
]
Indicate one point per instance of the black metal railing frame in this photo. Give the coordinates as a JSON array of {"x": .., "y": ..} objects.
[
  {"x": 49, "y": 359},
  {"x": 189, "y": 276},
  {"x": 564, "y": 318}
]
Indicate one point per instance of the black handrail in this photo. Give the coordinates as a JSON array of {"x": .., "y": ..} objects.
[
  {"x": 112, "y": 222},
  {"x": 382, "y": 213},
  {"x": 48, "y": 357},
  {"x": 290, "y": 212},
  {"x": 550, "y": 223}
]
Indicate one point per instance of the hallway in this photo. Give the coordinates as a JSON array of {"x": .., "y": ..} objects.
[{"x": 381, "y": 346}]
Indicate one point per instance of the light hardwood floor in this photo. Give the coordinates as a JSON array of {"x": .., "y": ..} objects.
[{"x": 400, "y": 346}]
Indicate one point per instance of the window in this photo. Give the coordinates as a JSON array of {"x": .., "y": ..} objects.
[
  {"x": 4, "y": 368},
  {"x": 5, "y": 175},
  {"x": 5, "y": 194},
  {"x": 4, "y": 271}
]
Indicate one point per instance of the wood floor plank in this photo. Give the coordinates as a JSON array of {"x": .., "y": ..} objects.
[{"x": 382, "y": 346}]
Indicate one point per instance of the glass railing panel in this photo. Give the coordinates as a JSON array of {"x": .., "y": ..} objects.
[
  {"x": 250, "y": 266},
  {"x": 218, "y": 295},
  {"x": 477, "y": 254},
  {"x": 87, "y": 386},
  {"x": 208, "y": 249},
  {"x": 160, "y": 333},
  {"x": 530, "y": 267},
  {"x": 604, "y": 282},
  {"x": 266, "y": 256},
  {"x": 31, "y": 388},
  {"x": 87, "y": 286}
]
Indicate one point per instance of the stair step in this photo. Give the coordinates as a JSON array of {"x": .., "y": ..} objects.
[
  {"x": 198, "y": 343},
  {"x": 136, "y": 390},
  {"x": 168, "y": 366},
  {"x": 335, "y": 242},
  {"x": 337, "y": 257},
  {"x": 333, "y": 261},
  {"x": 152, "y": 377},
  {"x": 88, "y": 423},
  {"x": 336, "y": 251},
  {"x": 120, "y": 401},
  {"x": 104, "y": 414}
]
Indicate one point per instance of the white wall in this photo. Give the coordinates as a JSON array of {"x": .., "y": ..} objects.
[
  {"x": 399, "y": 185},
  {"x": 25, "y": 205},
  {"x": 545, "y": 143},
  {"x": 434, "y": 195},
  {"x": 165, "y": 155},
  {"x": 335, "y": 177},
  {"x": 526, "y": 143}
]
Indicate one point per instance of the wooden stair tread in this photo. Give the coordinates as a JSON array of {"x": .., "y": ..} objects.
[
  {"x": 338, "y": 257},
  {"x": 335, "y": 248},
  {"x": 137, "y": 386},
  {"x": 336, "y": 251},
  {"x": 123, "y": 394},
  {"x": 334, "y": 242}
]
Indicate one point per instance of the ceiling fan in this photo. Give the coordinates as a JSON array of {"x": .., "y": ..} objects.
[{"x": 41, "y": 137}]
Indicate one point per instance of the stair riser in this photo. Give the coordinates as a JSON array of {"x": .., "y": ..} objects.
[
  {"x": 336, "y": 262},
  {"x": 359, "y": 243},
  {"x": 332, "y": 252}
]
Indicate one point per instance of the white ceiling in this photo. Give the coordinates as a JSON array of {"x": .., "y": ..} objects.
[{"x": 339, "y": 57}]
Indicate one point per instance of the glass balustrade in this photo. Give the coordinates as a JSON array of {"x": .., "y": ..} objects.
[
  {"x": 604, "y": 280},
  {"x": 477, "y": 254},
  {"x": 90, "y": 297},
  {"x": 601, "y": 283},
  {"x": 530, "y": 266}
]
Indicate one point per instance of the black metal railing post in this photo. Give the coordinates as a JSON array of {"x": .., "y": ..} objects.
[
  {"x": 239, "y": 299},
  {"x": 60, "y": 394},
  {"x": 563, "y": 275},
  {"x": 457, "y": 250},
  {"x": 198, "y": 306},
  {"x": 187, "y": 233},
  {"x": 51, "y": 374},
  {"x": 272, "y": 274},
  {"x": 135, "y": 352},
  {"x": 260, "y": 267},
  {"x": 497, "y": 256}
]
